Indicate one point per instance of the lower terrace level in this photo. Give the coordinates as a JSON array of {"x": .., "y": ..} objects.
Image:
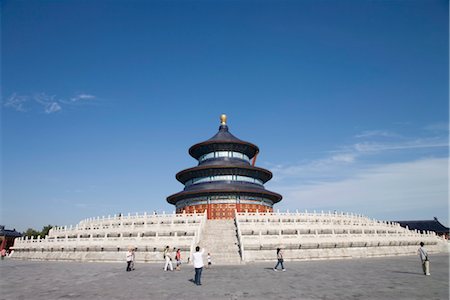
[{"x": 368, "y": 278}]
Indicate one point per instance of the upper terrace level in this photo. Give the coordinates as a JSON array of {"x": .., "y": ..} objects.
[
  {"x": 299, "y": 227},
  {"x": 133, "y": 221}
]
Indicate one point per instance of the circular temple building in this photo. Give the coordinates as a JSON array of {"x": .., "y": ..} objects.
[{"x": 225, "y": 179}]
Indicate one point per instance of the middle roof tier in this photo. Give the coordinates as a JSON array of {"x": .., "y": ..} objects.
[{"x": 206, "y": 171}]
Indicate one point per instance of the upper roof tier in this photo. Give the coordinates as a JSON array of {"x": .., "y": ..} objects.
[{"x": 223, "y": 141}]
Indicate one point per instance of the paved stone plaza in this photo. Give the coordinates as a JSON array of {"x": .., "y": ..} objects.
[{"x": 372, "y": 278}]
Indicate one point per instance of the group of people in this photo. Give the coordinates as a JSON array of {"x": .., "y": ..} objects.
[
  {"x": 197, "y": 259},
  {"x": 168, "y": 258},
  {"x": 423, "y": 254}
]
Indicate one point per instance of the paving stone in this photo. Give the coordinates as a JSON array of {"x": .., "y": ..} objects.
[{"x": 371, "y": 278}]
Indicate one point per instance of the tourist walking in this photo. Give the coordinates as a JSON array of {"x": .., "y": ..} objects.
[
  {"x": 280, "y": 260},
  {"x": 168, "y": 259},
  {"x": 423, "y": 254},
  {"x": 129, "y": 257},
  {"x": 178, "y": 259},
  {"x": 197, "y": 259},
  {"x": 133, "y": 251},
  {"x": 208, "y": 258}
]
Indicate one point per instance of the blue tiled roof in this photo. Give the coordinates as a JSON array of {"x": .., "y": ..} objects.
[
  {"x": 425, "y": 225},
  {"x": 8, "y": 232}
]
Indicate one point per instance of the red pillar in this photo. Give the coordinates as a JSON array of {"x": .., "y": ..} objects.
[{"x": 3, "y": 245}]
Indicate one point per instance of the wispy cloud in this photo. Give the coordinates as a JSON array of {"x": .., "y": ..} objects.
[
  {"x": 395, "y": 178},
  {"x": 344, "y": 157},
  {"x": 374, "y": 133},
  {"x": 433, "y": 142},
  {"x": 82, "y": 97},
  {"x": 439, "y": 126},
  {"x": 327, "y": 168},
  {"x": 411, "y": 189},
  {"x": 52, "y": 108},
  {"x": 16, "y": 102},
  {"x": 373, "y": 139},
  {"x": 344, "y": 160},
  {"x": 49, "y": 104}
]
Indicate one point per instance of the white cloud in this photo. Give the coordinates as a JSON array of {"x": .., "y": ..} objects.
[
  {"x": 435, "y": 142},
  {"x": 16, "y": 102},
  {"x": 52, "y": 108},
  {"x": 357, "y": 178},
  {"x": 43, "y": 98},
  {"x": 336, "y": 166},
  {"x": 345, "y": 157},
  {"x": 82, "y": 97},
  {"x": 50, "y": 103},
  {"x": 372, "y": 143},
  {"x": 409, "y": 190},
  {"x": 374, "y": 133},
  {"x": 348, "y": 159},
  {"x": 439, "y": 126}
]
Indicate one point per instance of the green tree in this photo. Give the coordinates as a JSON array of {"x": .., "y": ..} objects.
[
  {"x": 45, "y": 230},
  {"x": 31, "y": 232}
]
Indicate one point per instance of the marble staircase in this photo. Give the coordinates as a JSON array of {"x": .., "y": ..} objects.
[{"x": 219, "y": 238}]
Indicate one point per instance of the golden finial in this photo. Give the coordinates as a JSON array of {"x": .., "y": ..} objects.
[{"x": 223, "y": 119}]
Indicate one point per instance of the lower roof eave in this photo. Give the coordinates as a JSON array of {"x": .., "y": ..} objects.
[{"x": 173, "y": 199}]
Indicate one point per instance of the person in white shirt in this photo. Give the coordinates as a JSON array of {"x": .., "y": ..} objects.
[
  {"x": 168, "y": 259},
  {"x": 197, "y": 259},
  {"x": 129, "y": 258},
  {"x": 423, "y": 254}
]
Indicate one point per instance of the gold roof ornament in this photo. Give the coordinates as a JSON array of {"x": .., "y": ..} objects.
[{"x": 223, "y": 119}]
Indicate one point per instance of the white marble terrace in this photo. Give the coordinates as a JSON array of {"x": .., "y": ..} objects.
[
  {"x": 311, "y": 235},
  {"x": 302, "y": 235},
  {"x": 107, "y": 238}
]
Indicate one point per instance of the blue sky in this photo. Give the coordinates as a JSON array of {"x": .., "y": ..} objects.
[{"x": 347, "y": 100}]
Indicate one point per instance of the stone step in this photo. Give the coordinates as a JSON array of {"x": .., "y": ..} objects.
[{"x": 219, "y": 238}]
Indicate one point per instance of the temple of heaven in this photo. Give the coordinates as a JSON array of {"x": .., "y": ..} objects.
[{"x": 225, "y": 179}]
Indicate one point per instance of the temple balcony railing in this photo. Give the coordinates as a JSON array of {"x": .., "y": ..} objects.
[
  {"x": 322, "y": 217},
  {"x": 131, "y": 220},
  {"x": 315, "y": 220},
  {"x": 351, "y": 241},
  {"x": 143, "y": 221},
  {"x": 112, "y": 241},
  {"x": 239, "y": 236}
]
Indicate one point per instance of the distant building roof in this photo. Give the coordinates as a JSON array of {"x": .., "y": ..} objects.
[
  {"x": 425, "y": 225},
  {"x": 8, "y": 232}
]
